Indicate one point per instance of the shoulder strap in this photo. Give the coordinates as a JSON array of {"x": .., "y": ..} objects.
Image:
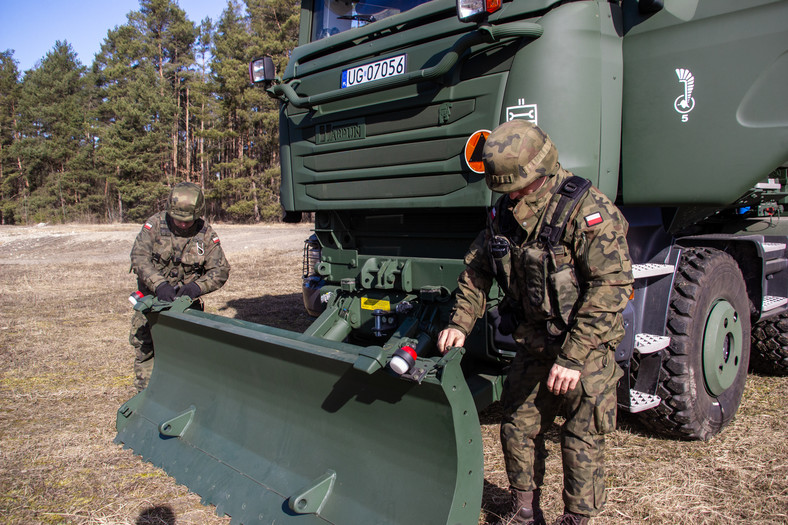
[
  {"x": 569, "y": 194},
  {"x": 504, "y": 218},
  {"x": 499, "y": 212}
]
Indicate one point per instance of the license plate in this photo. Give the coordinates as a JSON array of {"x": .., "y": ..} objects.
[{"x": 390, "y": 67}]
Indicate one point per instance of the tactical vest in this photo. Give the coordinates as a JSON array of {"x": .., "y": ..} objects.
[
  {"x": 178, "y": 267},
  {"x": 538, "y": 274}
]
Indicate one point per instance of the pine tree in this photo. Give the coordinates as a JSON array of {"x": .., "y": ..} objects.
[
  {"x": 230, "y": 54},
  {"x": 249, "y": 131},
  {"x": 203, "y": 104},
  {"x": 53, "y": 126},
  {"x": 142, "y": 70},
  {"x": 274, "y": 32},
  {"x": 169, "y": 38},
  {"x": 131, "y": 133},
  {"x": 10, "y": 176}
]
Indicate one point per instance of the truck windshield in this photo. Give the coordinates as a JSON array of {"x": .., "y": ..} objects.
[{"x": 335, "y": 16}]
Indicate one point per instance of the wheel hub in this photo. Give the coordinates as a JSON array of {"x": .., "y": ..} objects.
[{"x": 722, "y": 347}]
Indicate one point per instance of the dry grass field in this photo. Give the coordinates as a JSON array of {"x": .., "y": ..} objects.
[{"x": 66, "y": 368}]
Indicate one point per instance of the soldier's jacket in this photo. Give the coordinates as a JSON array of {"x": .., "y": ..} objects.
[
  {"x": 558, "y": 319},
  {"x": 160, "y": 255}
]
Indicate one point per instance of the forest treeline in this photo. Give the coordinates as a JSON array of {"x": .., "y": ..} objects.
[{"x": 165, "y": 100}]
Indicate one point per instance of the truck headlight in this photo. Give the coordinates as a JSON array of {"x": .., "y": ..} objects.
[{"x": 262, "y": 70}]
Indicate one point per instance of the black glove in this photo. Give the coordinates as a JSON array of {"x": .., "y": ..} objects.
[
  {"x": 191, "y": 289},
  {"x": 165, "y": 292}
]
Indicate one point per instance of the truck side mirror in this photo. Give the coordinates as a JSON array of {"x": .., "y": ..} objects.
[
  {"x": 262, "y": 70},
  {"x": 476, "y": 10}
]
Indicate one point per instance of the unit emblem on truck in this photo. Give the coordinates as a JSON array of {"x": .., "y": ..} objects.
[{"x": 685, "y": 103}]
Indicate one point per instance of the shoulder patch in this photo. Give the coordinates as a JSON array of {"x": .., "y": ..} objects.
[
  {"x": 593, "y": 219},
  {"x": 148, "y": 226},
  {"x": 215, "y": 239}
]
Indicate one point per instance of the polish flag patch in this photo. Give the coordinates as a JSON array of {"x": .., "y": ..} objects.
[
  {"x": 215, "y": 239},
  {"x": 148, "y": 226},
  {"x": 593, "y": 219}
]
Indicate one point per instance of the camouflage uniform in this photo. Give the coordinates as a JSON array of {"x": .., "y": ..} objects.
[
  {"x": 569, "y": 303},
  {"x": 162, "y": 254}
]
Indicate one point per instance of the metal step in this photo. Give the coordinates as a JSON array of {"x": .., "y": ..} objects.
[
  {"x": 640, "y": 401},
  {"x": 641, "y": 271},
  {"x": 648, "y": 343},
  {"x": 770, "y": 184},
  {"x": 769, "y": 247},
  {"x": 770, "y": 302}
]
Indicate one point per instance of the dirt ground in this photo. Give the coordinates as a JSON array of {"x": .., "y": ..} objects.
[{"x": 66, "y": 368}]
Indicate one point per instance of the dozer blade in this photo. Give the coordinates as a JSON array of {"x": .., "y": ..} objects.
[{"x": 272, "y": 426}]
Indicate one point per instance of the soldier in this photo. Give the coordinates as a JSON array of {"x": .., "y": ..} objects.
[
  {"x": 176, "y": 253},
  {"x": 557, "y": 248}
]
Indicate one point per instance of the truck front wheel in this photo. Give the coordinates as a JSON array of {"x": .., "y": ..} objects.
[{"x": 702, "y": 378}]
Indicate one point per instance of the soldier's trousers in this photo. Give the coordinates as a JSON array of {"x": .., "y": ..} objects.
[
  {"x": 590, "y": 412},
  {"x": 141, "y": 340}
]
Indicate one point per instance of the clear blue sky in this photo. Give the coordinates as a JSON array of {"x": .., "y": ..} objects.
[{"x": 31, "y": 27}]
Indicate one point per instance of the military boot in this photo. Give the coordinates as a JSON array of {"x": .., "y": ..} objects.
[
  {"x": 570, "y": 518},
  {"x": 524, "y": 509}
]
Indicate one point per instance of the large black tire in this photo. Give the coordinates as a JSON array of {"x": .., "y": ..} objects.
[
  {"x": 770, "y": 340},
  {"x": 702, "y": 378}
]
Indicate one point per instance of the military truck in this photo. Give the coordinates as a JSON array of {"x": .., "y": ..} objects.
[{"x": 676, "y": 109}]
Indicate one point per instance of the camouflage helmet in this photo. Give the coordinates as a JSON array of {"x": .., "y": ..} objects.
[
  {"x": 186, "y": 202},
  {"x": 516, "y": 154}
]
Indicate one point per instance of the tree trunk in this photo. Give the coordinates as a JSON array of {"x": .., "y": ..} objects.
[
  {"x": 2, "y": 217},
  {"x": 175, "y": 125},
  {"x": 188, "y": 151},
  {"x": 240, "y": 151},
  {"x": 256, "y": 206},
  {"x": 120, "y": 201},
  {"x": 107, "y": 213},
  {"x": 62, "y": 200},
  {"x": 202, "y": 145},
  {"x": 23, "y": 185},
  {"x": 161, "y": 68}
]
